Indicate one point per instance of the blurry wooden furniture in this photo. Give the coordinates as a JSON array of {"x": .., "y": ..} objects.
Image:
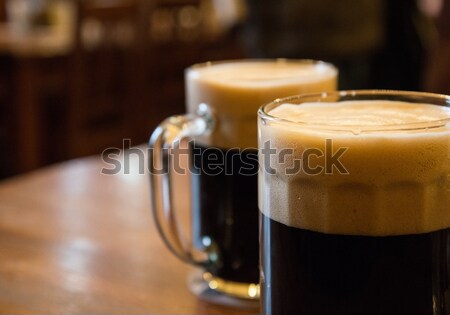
[
  {"x": 39, "y": 42},
  {"x": 36, "y": 59},
  {"x": 6, "y": 125},
  {"x": 104, "y": 73},
  {"x": 437, "y": 77},
  {"x": 2, "y": 10},
  {"x": 174, "y": 35},
  {"x": 113, "y": 74},
  {"x": 74, "y": 241},
  {"x": 128, "y": 69}
]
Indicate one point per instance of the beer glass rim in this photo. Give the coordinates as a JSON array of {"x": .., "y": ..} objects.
[
  {"x": 363, "y": 95},
  {"x": 207, "y": 64}
]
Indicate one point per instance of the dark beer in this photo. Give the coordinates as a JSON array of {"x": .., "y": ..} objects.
[
  {"x": 310, "y": 272},
  {"x": 224, "y": 191},
  {"x": 363, "y": 226},
  {"x": 225, "y": 209},
  {"x": 222, "y": 99}
]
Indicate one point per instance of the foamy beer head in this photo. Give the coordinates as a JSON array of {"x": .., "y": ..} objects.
[
  {"x": 370, "y": 164},
  {"x": 234, "y": 90}
]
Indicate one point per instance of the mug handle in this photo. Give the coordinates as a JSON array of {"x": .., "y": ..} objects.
[{"x": 166, "y": 137}]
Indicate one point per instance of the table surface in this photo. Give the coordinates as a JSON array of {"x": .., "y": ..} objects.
[{"x": 73, "y": 240}]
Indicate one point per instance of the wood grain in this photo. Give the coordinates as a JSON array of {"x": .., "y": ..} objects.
[{"x": 75, "y": 241}]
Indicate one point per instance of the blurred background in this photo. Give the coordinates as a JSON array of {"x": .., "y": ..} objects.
[{"x": 80, "y": 76}]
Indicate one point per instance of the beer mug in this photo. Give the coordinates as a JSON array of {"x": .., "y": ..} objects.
[
  {"x": 222, "y": 99},
  {"x": 354, "y": 203}
]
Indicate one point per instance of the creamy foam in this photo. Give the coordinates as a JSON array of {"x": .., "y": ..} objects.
[
  {"x": 398, "y": 180},
  {"x": 361, "y": 113},
  {"x": 235, "y": 91}
]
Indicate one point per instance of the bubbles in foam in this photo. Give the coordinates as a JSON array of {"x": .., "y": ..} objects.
[
  {"x": 261, "y": 75},
  {"x": 235, "y": 91},
  {"x": 397, "y": 179},
  {"x": 361, "y": 113}
]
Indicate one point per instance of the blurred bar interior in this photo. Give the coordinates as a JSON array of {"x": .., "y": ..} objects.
[{"x": 79, "y": 76}]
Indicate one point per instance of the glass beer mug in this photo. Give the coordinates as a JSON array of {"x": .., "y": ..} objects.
[
  {"x": 222, "y": 99},
  {"x": 355, "y": 203}
]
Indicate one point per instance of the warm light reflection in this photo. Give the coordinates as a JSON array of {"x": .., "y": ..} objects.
[
  {"x": 74, "y": 259},
  {"x": 75, "y": 282},
  {"x": 130, "y": 164},
  {"x": 236, "y": 289},
  {"x": 432, "y": 8},
  {"x": 213, "y": 284},
  {"x": 253, "y": 290}
]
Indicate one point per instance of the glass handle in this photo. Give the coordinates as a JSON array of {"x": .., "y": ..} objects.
[{"x": 166, "y": 137}]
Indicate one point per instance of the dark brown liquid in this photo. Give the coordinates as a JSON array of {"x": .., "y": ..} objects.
[
  {"x": 225, "y": 209},
  {"x": 307, "y": 272}
]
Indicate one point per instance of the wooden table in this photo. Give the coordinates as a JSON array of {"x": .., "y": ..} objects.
[{"x": 73, "y": 240}]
